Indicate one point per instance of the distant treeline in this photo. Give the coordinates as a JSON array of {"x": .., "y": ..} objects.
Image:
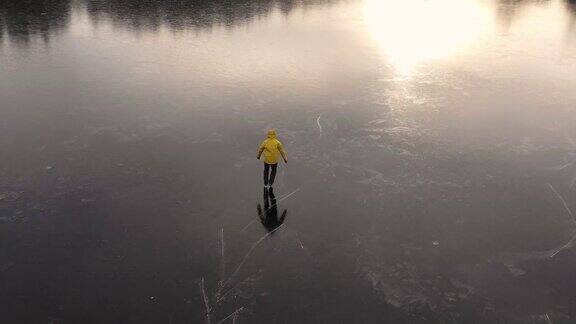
[
  {"x": 22, "y": 19},
  {"x": 182, "y": 14}
]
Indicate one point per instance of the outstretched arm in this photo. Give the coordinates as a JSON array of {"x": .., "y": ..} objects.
[
  {"x": 284, "y": 155},
  {"x": 260, "y": 150}
]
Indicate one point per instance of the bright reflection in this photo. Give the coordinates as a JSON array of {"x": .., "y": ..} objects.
[{"x": 414, "y": 31}]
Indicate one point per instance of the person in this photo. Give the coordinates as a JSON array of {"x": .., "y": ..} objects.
[
  {"x": 271, "y": 147},
  {"x": 269, "y": 216}
]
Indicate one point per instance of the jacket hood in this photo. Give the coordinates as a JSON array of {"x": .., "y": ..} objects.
[{"x": 271, "y": 134}]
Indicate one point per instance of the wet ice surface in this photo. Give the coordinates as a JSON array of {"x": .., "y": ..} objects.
[{"x": 431, "y": 178}]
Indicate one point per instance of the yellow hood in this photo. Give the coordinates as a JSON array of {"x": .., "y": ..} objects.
[{"x": 271, "y": 134}]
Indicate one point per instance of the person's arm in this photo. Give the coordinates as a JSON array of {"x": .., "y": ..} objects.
[
  {"x": 284, "y": 155},
  {"x": 260, "y": 150}
]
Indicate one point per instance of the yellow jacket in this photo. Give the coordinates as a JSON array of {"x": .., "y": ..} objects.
[{"x": 271, "y": 147}]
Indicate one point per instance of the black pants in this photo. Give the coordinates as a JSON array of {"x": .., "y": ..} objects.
[{"x": 267, "y": 167}]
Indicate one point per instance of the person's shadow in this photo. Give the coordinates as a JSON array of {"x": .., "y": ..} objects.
[{"x": 269, "y": 216}]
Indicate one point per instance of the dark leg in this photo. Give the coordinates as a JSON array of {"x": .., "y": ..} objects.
[
  {"x": 273, "y": 173},
  {"x": 266, "y": 171}
]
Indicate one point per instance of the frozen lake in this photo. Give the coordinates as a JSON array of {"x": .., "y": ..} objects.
[{"x": 431, "y": 175}]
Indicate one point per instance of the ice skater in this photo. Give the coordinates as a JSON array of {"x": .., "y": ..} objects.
[{"x": 271, "y": 147}]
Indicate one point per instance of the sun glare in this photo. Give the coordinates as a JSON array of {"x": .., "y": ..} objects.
[{"x": 411, "y": 32}]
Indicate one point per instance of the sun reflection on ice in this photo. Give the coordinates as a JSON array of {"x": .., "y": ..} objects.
[{"x": 411, "y": 32}]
